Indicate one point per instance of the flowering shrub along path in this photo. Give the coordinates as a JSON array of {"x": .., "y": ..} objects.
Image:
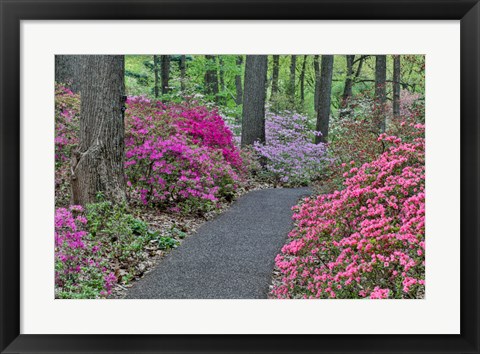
[{"x": 230, "y": 257}]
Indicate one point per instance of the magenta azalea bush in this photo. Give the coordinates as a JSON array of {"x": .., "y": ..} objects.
[
  {"x": 80, "y": 269},
  {"x": 291, "y": 157},
  {"x": 180, "y": 157},
  {"x": 367, "y": 240}
]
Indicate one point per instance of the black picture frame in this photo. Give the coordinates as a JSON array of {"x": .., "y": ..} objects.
[{"x": 13, "y": 11}]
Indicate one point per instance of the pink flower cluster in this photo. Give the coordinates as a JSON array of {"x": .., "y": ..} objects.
[
  {"x": 179, "y": 157},
  {"x": 367, "y": 240},
  {"x": 80, "y": 270}
]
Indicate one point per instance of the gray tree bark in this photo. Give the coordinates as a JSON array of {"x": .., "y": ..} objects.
[
  {"x": 165, "y": 67},
  {"x": 396, "y": 85},
  {"x": 302, "y": 80},
  {"x": 211, "y": 77},
  {"x": 183, "y": 71},
  {"x": 98, "y": 160},
  {"x": 324, "y": 98},
  {"x": 156, "y": 64},
  {"x": 380, "y": 90},
  {"x": 253, "y": 122},
  {"x": 316, "y": 67},
  {"x": 238, "y": 81},
  {"x": 291, "y": 87},
  {"x": 68, "y": 71}
]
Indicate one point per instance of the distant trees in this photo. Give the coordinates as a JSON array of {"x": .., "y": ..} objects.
[
  {"x": 253, "y": 122},
  {"x": 324, "y": 98},
  {"x": 380, "y": 90},
  {"x": 156, "y": 67},
  {"x": 183, "y": 71},
  {"x": 98, "y": 160}
]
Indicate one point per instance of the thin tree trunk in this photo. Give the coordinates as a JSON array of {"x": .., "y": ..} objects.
[
  {"x": 211, "y": 78},
  {"x": 222, "y": 78},
  {"x": 68, "y": 71},
  {"x": 156, "y": 64},
  {"x": 253, "y": 122},
  {"x": 302, "y": 81},
  {"x": 316, "y": 66},
  {"x": 347, "y": 90},
  {"x": 98, "y": 160},
  {"x": 183, "y": 70},
  {"x": 291, "y": 88},
  {"x": 324, "y": 99},
  {"x": 396, "y": 86},
  {"x": 380, "y": 90},
  {"x": 165, "y": 74},
  {"x": 238, "y": 81},
  {"x": 275, "y": 76}
]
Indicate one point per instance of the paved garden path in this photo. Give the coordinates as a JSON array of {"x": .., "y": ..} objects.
[{"x": 231, "y": 256}]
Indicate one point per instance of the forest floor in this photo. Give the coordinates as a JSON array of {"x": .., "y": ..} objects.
[{"x": 229, "y": 257}]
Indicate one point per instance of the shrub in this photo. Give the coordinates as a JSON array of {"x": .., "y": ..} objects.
[
  {"x": 179, "y": 157},
  {"x": 80, "y": 269},
  {"x": 290, "y": 156},
  {"x": 367, "y": 240}
]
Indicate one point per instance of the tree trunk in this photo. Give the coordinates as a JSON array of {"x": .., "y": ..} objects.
[
  {"x": 98, "y": 160},
  {"x": 396, "y": 86},
  {"x": 316, "y": 66},
  {"x": 183, "y": 71},
  {"x": 238, "y": 81},
  {"x": 221, "y": 71},
  {"x": 68, "y": 71},
  {"x": 380, "y": 90},
  {"x": 324, "y": 99},
  {"x": 291, "y": 87},
  {"x": 211, "y": 78},
  {"x": 302, "y": 80},
  {"x": 253, "y": 122},
  {"x": 165, "y": 74},
  {"x": 275, "y": 76},
  {"x": 156, "y": 64},
  {"x": 347, "y": 90}
]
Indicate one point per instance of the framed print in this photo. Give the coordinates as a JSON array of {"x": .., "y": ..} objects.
[{"x": 252, "y": 177}]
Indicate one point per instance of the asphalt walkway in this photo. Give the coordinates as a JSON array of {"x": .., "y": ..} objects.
[{"x": 231, "y": 256}]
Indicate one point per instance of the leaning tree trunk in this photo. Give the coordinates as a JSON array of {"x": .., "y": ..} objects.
[
  {"x": 97, "y": 162},
  {"x": 347, "y": 90},
  {"x": 316, "y": 66},
  {"x": 396, "y": 86},
  {"x": 183, "y": 71},
  {"x": 380, "y": 90},
  {"x": 238, "y": 81},
  {"x": 165, "y": 73},
  {"x": 275, "y": 75},
  {"x": 324, "y": 98},
  {"x": 156, "y": 65},
  {"x": 68, "y": 71},
  {"x": 253, "y": 122}
]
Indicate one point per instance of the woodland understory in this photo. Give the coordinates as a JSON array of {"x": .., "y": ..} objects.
[{"x": 150, "y": 147}]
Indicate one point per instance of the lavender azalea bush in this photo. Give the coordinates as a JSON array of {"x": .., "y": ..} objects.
[{"x": 291, "y": 157}]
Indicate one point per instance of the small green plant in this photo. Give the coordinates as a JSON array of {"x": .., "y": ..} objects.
[{"x": 167, "y": 242}]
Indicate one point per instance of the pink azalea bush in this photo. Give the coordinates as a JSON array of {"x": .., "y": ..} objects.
[
  {"x": 367, "y": 240},
  {"x": 290, "y": 154},
  {"x": 180, "y": 157},
  {"x": 80, "y": 269}
]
